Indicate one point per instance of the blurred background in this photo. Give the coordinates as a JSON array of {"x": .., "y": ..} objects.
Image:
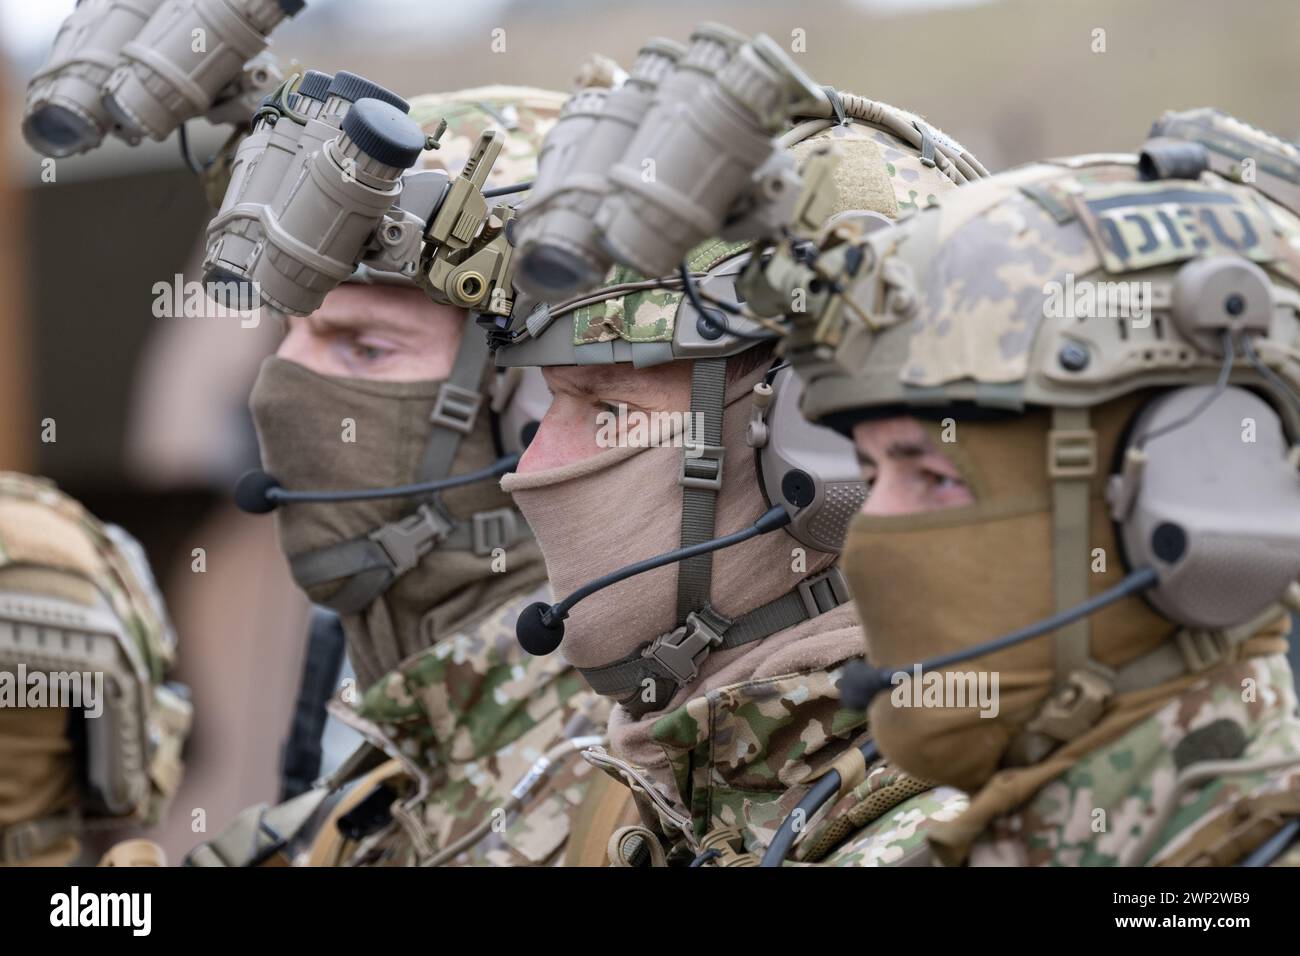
[{"x": 150, "y": 417}]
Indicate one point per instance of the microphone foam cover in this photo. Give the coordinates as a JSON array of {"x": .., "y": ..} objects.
[
  {"x": 534, "y": 634},
  {"x": 251, "y": 492},
  {"x": 860, "y": 683}
]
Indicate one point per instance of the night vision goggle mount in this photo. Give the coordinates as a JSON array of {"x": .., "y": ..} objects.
[{"x": 323, "y": 190}]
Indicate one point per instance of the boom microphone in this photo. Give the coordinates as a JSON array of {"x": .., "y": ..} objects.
[
  {"x": 257, "y": 492},
  {"x": 540, "y": 627},
  {"x": 861, "y": 682}
]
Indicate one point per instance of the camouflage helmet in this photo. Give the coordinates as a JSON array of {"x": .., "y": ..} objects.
[
  {"x": 977, "y": 301},
  {"x": 649, "y": 321},
  {"x": 78, "y": 604},
  {"x": 1236, "y": 150}
]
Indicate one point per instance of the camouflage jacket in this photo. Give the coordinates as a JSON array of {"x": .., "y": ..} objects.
[
  {"x": 472, "y": 721},
  {"x": 1122, "y": 805},
  {"x": 742, "y": 757}
]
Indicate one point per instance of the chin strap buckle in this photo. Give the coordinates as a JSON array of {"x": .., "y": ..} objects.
[
  {"x": 409, "y": 539},
  {"x": 456, "y": 408},
  {"x": 683, "y": 650},
  {"x": 702, "y": 467},
  {"x": 493, "y": 529}
]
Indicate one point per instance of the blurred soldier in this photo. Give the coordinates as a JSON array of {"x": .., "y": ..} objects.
[
  {"x": 724, "y": 665},
  {"x": 1078, "y": 403},
  {"x": 90, "y": 736},
  {"x": 472, "y": 745}
]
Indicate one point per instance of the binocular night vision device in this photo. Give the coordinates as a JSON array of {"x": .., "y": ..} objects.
[
  {"x": 137, "y": 68},
  {"x": 323, "y": 187},
  {"x": 685, "y": 149}
]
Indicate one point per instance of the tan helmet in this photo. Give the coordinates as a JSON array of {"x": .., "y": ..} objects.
[{"x": 85, "y": 647}]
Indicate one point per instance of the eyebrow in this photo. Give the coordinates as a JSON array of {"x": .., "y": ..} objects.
[
  {"x": 906, "y": 450},
  {"x": 352, "y": 319}
]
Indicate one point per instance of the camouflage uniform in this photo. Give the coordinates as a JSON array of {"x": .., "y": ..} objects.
[
  {"x": 77, "y": 597},
  {"x": 470, "y": 720},
  {"x": 959, "y": 303},
  {"x": 742, "y": 757}
]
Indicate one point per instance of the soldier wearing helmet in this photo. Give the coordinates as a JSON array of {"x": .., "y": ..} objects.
[
  {"x": 471, "y": 745},
  {"x": 1075, "y": 389}
]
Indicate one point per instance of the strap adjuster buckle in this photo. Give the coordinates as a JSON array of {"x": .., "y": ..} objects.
[
  {"x": 492, "y": 529},
  {"x": 702, "y": 467},
  {"x": 1201, "y": 650},
  {"x": 1071, "y": 453},
  {"x": 839, "y": 592},
  {"x": 456, "y": 408},
  {"x": 682, "y": 650},
  {"x": 409, "y": 539}
]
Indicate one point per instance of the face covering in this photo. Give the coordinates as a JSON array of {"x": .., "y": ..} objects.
[
  {"x": 620, "y": 506},
  {"x": 941, "y": 581},
  {"x": 318, "y": 431}
]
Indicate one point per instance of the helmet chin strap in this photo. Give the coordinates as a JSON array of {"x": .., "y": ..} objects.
[{"x": 648, "y": 678}]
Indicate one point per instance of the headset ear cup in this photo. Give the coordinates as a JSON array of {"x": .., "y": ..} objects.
[
  {"x": 810, "y": 470},
  {"x": 524, "y": 409},
  {"x": 1216, "y": 512}
]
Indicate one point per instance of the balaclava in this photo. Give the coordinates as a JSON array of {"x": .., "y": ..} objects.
[
  {"x": 300, "y": 419},
  {"x": 930, "y": 583},
  {"x": 622, "y": 505}
]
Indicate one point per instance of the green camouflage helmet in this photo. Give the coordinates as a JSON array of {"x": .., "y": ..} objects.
[{"x": 631, "y": 319}]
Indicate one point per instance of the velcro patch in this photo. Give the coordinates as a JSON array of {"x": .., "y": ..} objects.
[{"x": 1139, "y": 225}]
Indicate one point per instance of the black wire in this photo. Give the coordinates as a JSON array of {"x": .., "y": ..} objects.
[
  {"x": 507, "y": 190},
  {"x": 1225, "y": 370},
  {"x": 195, "y": 167},
  {"x": 1139, "y": 580},
  {"x": 1274, "y": 846},
  {"x": 716, "y": 322},
  {"x": 1248, "y": 348},
  {"x": 823, "y": 790},
  {"x": 772, "y": 519},
  {"x": 497, "y": 468}
]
